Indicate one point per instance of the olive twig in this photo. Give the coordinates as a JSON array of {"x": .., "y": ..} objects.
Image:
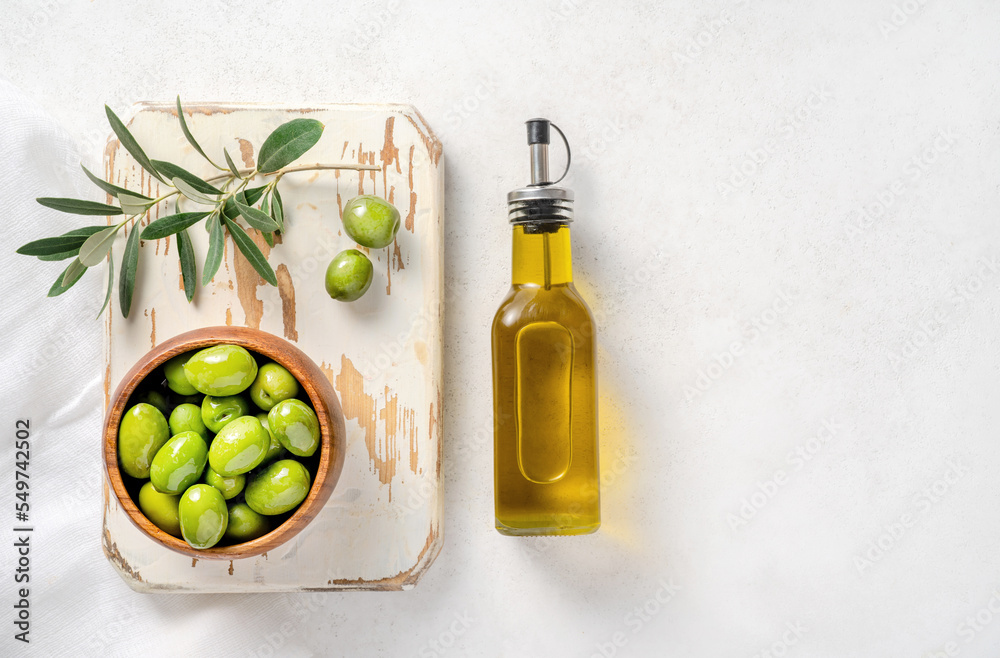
[{"x": 260, "y": 207}]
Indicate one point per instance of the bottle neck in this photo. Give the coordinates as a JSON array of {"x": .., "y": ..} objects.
[{"x": 541, "y": 255}]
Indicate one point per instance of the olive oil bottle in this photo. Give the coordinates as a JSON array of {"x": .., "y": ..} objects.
[{"x": 546, "y": 478}]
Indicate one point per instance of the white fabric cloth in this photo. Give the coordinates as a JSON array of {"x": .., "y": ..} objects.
[{"x": 52, "y": 372}]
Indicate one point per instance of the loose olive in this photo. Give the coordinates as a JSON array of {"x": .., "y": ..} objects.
[
  {"x": 203, "y": 516},
  {"x": 221, "y": 370},
  {"x": 371, "y": 221},
  {"x": 238, "y": 447},
  {"x": 142, "y": 432},
  {"x": 278, "y": 488},
  {"x": 349, "y": 275},
  {"x": 295, "y": 426},
  {"x": 230, "y": 486},
  {"x": 187, "y": 418},
  {"x": 179, "y": 463},
  {"x": 217, "y": 411},
  {"x": 245, "y": 524},
  {"x": 273, "y": 384},
  {"x": 177, "y": 381},
  {"x": 160, "y": 509}
]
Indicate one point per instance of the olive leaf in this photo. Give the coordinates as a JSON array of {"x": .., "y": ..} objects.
[
  {"x": 252, "y": 194},
  {"x": 265, "y": 208},
  {"x": 171, "y": 224},
  {"x": 258, "y": 219},
  {"x": 62, "y": 255},
  {"x": 193, "y": 194},
  {"x": 130, "y": 264},
  {"x": 288, "y": 143},
  {"x": 113, "y": 190},
  {"x": 78, "y": 206},
  {"x": 97, "y": 246},
  {"x": 171, "y": 171},
  {"x": 67, "y": 279},
  {"x": 216, "y": 246},
  {"x": 86, "y": 231},
  {"x": 134, "y": 205},
  {"x": 232, "y": 165},
  {"x": 187, "y": 134},
  {"x": 247, "y": 197},
  {"x": 277, "y": 209},
  {"x": 56, "y": 245},
  {"x": 251, "y": 251},
  {"x": 189, "y": 268},
  {"x": 62, "y": 246},
  {"x": 111, "y": 282},
  {"x": 132, "y": 146}
]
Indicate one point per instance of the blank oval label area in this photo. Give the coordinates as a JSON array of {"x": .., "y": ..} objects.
[{"x": 544, "y": 401}]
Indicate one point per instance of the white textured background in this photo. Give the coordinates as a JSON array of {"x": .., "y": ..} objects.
[{"x": 788, "y": 230}]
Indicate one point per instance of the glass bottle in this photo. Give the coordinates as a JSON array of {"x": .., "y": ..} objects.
[{"x": 546, "y": 477}]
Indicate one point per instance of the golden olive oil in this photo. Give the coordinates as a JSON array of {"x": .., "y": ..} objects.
[{"x": 546, "y": 475}]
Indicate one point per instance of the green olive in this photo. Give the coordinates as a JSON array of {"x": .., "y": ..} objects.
[
  {"x": 217, "y": 411},
  {"x": 221, "y": 370},
  {"x": 273, "y": 384},
  {"x": 238, "y": 447},
  {"x": 371, "y": 221},
  {"x": 279, "y": 488},
  {"x": 230, "y": 486},
  {"x": 245, "y": 524},
  {"x": 160, "y": 509},
  {"x": 179, "y": 463},
  {"x": 157, "y": 399},
  {"x": 176, "y": 379},
  {"x": 275, "y": 450},
  {"x": 187, "y": 418},
  {"x": 295, "y": 426},
  {"x": 141, "y": 433},
  {"x": 349, "y": 276},
  {"x": 203, "y": 516}
]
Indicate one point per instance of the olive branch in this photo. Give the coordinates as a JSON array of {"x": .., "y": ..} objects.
[{"x": 227, "y": 195}]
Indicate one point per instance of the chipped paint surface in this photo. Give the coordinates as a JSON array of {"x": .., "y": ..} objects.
[
  {"x": 359, "y": 406},
  {"x": 248, "y": 281},
  {"x": 246, "y": 153},
  {"x": 408, "y": 223},
  {"x": 384, "y": 529},
  {"x": 286, "y": 288}
]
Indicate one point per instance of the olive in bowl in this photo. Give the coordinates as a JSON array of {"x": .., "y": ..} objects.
[{"x": 213, "y": 481}]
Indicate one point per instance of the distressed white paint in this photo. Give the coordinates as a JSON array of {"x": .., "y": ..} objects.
[{"x": 373, "y": 533}]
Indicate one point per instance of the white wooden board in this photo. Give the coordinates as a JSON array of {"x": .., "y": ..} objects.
[{"x": 382, "y": 526}]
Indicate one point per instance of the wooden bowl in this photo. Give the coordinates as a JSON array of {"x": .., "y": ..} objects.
[{"x": 333, "y": 434}]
